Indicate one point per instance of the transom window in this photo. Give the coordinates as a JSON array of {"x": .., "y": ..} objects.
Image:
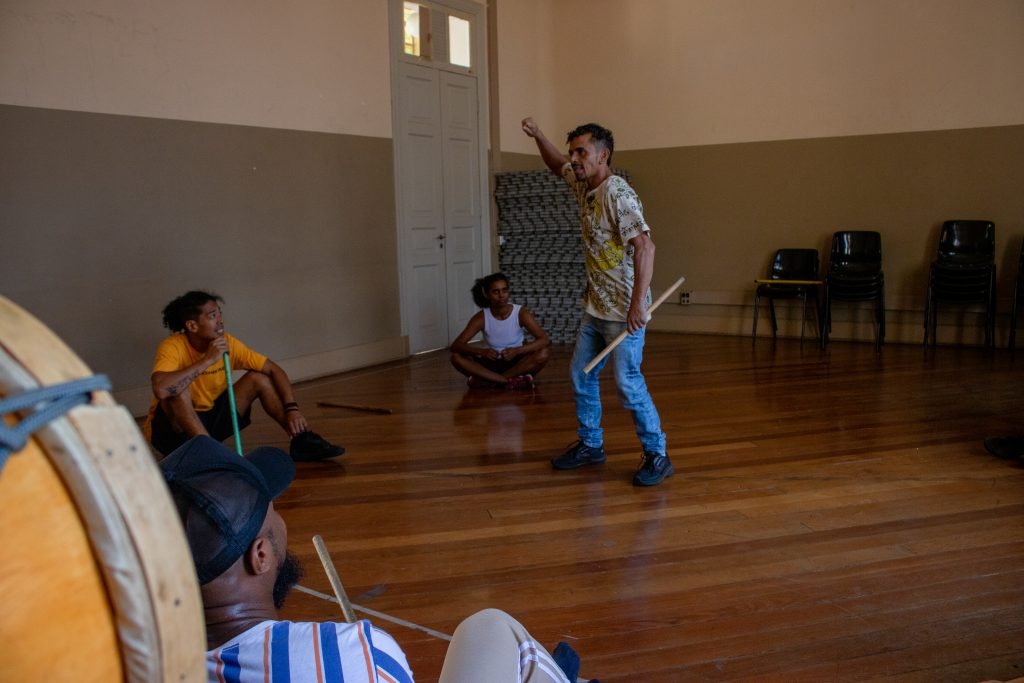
[{"x": 433, "y": 34}]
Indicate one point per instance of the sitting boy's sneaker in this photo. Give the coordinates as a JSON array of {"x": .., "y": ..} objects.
[
  {"x": 578, "y": 455},
  {"x": 654, "y": 467},
  {"x": 309, "y": 446},
  {"x": 520, "y": 382}
]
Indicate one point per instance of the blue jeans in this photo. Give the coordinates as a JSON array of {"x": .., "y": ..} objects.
[{"x": 594, "y": 335}]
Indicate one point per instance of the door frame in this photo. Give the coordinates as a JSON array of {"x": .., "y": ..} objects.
[{"x": 479, "y": 55}]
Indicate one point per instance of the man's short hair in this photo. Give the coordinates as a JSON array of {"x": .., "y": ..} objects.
[
  {"x": 223, "y": 498},
  {"x": 186, "y": 307},
  {"x": 598, "y": 133}
]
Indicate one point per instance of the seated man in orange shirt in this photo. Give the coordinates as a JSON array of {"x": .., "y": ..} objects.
[{"x": 190, "y": 386}]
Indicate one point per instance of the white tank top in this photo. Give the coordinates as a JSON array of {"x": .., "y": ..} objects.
[{"x": 502, "y": 334}]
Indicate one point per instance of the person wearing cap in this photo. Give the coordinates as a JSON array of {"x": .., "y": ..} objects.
[
  {"x": 245, "y": 571},
  {"x": 239, "y": 546},
  {"x": 190, "y": 385}
]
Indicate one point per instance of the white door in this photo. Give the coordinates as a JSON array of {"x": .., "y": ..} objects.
[
  {"x": 421, "y": 213},
  {"x": 440, "y": 175},
  {"x": 463, "y": 220}
]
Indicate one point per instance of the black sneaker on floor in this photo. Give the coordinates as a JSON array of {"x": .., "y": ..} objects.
[
  {"x": 1005, "y": 446},
  {"x": 309, "y": 446},
  {"x": 568, "y": 660},
  {"x": 578, "y": 455},
  {"x": 654, "y": 467}
]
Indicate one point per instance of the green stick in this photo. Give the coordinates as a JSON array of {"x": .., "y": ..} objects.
[{"x": 231, "y": 400}]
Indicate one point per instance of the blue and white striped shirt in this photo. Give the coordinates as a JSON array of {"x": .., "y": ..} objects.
[{"x": 309, "y": 652}]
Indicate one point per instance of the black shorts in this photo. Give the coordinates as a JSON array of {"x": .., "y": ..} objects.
[
  {"x": 217, "y": 421},
  {"x": 498, "y": 365}
]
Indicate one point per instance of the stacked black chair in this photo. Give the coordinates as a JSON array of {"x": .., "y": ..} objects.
[
  {"x": 963, "y": 273},
  {"x": 788, "y": 265},
  {"x": 855, "y": 274},
  {"x": 1018, "y": 298}
]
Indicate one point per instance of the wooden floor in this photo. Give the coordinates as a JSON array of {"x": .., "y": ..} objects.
[{"x": 833, "y": 516}]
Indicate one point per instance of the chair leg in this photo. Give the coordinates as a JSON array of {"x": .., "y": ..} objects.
[
  {"x": 817, "y": 315},
  {"x": 880, "y": 324},
  {"x": 927, "y": 314},
  {"x": 775, "y": 322},
  {"x": 992, "y": 317},
  {"x": 1013, "y": 319},
  {"x": 880, "y": 338},
  {"x": 803, "y": 316},
  {"x": 881, "y": 318},
  {"x": 757, "y": 308},
  {"x": 826, "y": 321},
  {"x": 989, "y": 335}
]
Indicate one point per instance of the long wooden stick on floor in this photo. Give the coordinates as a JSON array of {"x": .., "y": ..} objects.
[
  {"x": 332, "y": 576},
  {"x": 618, "y": 340},
  {"x": 353, "y": 406}
]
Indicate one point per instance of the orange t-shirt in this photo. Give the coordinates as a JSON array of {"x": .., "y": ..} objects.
[{"x": 175, "y": 353}]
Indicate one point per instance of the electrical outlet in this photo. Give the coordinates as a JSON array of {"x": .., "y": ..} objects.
[{"x": 684, "y": 298}]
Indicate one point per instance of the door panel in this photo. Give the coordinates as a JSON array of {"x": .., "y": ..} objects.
[
  {"x": 421, "y": 206},
  {"x": 463, "y": 216}
]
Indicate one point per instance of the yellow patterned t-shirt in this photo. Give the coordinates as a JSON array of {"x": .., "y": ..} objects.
[{"x": 610, "y": 216}]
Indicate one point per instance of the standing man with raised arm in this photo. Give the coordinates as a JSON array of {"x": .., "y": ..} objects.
[{"x": 619, "y": 255}]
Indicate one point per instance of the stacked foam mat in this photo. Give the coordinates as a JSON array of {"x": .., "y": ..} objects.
[{"x": 538, "y": 227}]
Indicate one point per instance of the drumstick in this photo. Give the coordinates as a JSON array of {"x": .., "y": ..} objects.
[
  {"x": 231, "y": 402},
  {"x": 332, "y": 576},
  {"x": 353, "y": 406},
  {"x": 618, "y": 340}
]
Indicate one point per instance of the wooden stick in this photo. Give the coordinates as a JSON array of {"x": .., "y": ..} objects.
[
  {"x": 332, "y": 576},
  {"x": 618, "y": 340},
  {"x": 353, "y": 406}
]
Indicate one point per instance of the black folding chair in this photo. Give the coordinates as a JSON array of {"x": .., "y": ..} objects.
[
  {"x": 964, "y": 272},
  {"x": 793, "y": 275},
  {"x": 855, "y": 274}
]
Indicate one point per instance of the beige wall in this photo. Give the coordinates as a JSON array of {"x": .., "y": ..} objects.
[
  {"x": 673, "y": 73},
  {"x": 750, "y": 126},
  {"x": 318, "y": 65},
  {"x": 243, "y": 147},
  {"x": 528, "y": 34}
]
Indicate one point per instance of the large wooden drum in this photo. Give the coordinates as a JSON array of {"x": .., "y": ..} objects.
[{"x": 96, "y": 579}]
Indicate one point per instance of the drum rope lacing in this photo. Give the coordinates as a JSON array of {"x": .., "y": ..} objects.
[{"x": 49, "y": 403}]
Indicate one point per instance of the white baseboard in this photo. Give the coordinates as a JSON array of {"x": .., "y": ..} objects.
[{"x": 851, "y": 322}]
